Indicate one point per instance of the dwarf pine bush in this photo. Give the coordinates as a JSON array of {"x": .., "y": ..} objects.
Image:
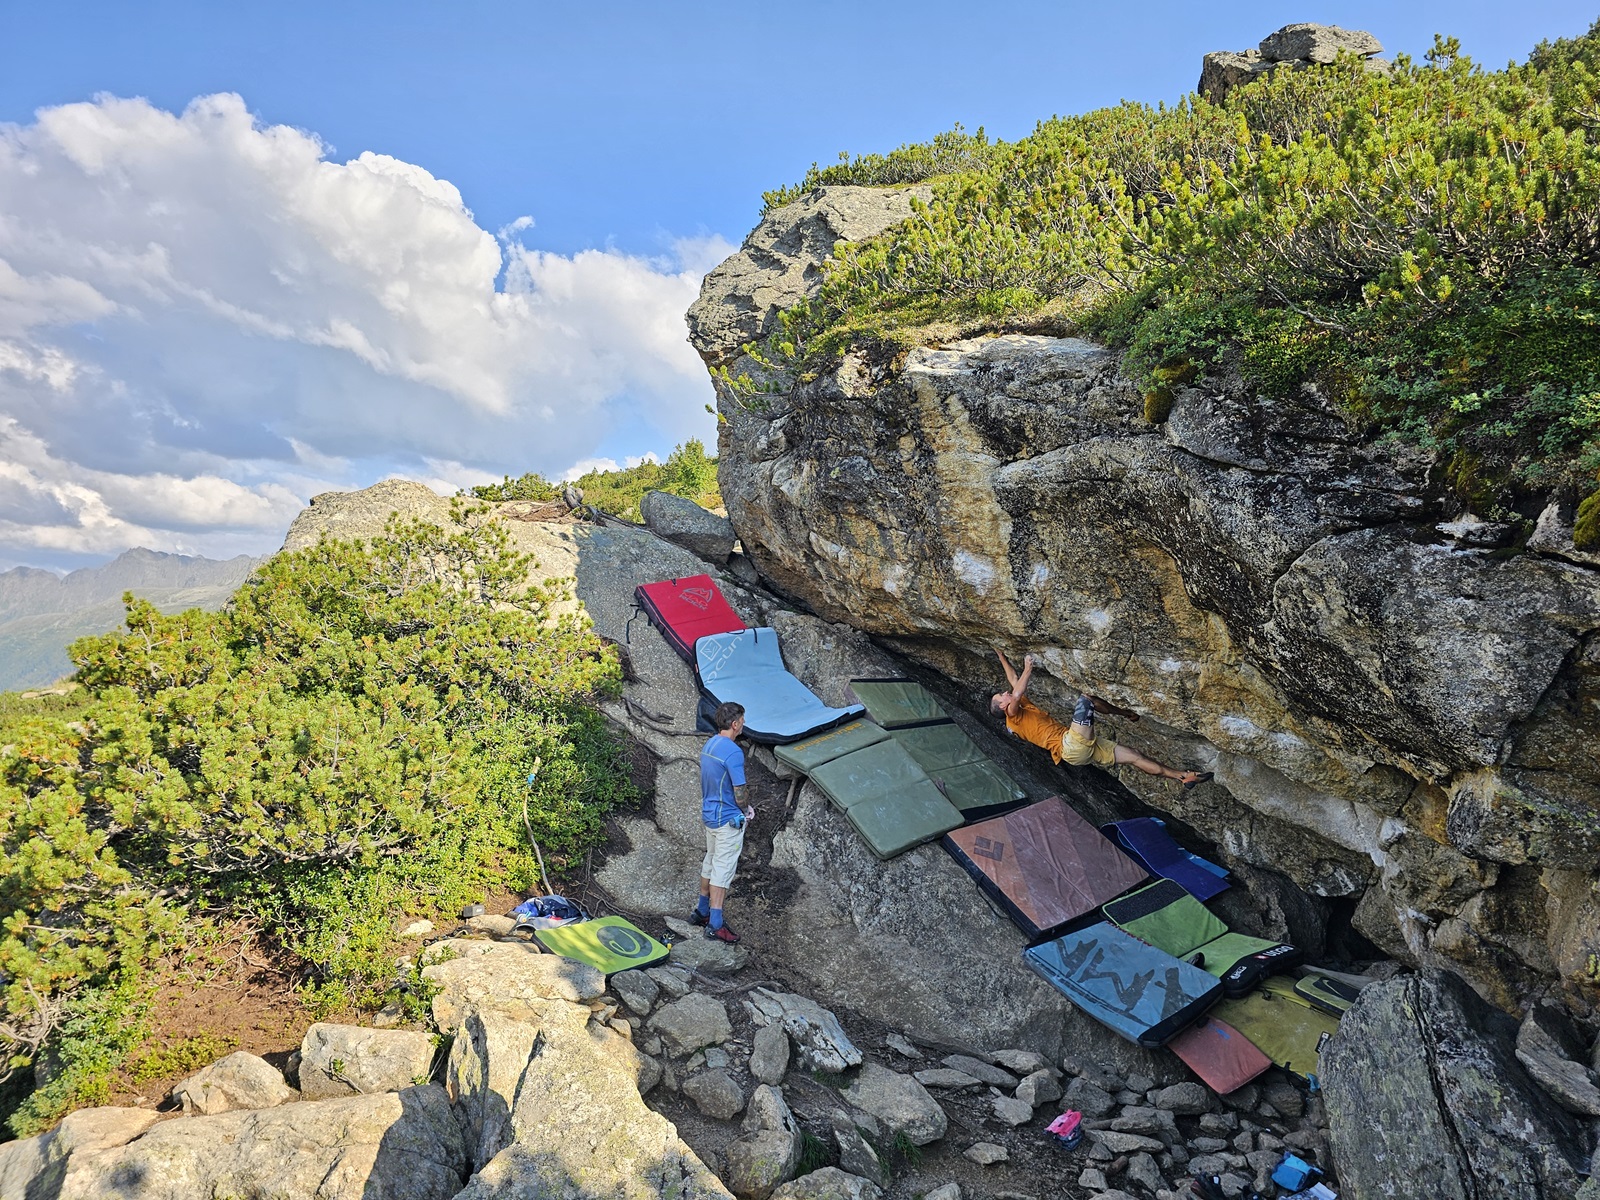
[
  {"x": 1421, "y": 246},
  {"x": 348, "y": 742}
]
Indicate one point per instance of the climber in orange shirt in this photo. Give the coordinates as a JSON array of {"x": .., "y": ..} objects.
[{"x": 1075, "y": 744}]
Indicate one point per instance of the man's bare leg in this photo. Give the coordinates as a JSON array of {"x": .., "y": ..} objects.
[
  {"x": 1132, "y": 758},
  {"x": 716, "y": 895}
]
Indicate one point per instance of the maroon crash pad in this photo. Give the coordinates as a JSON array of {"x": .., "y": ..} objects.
[
  {"x": 1043, "y": 864},
  {"x": 1222, "y": 1056},
  {"x": 686, "y": 610}
]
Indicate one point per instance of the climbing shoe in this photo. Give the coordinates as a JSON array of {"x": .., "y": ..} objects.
[
  {"x": 1208, "y": 1186},
  {"x": 721, "y": 935},
  {"x": 699, "y": 918},
  {"x": 1200, "y": 777}
]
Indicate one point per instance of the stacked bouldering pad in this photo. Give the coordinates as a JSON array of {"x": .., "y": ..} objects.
[
  {"x": 1147, "y": 842},
  {"x": 887, "y": 798},
  {"x": 686, "y": 610},
  {"x": 1287, "y": 1027},
  {"x": 747, "y": 668},
  {"x": 1044, "y": 865},
  {"x": 969, "y": 779},
  {"x": 1222, "y": 1056},
  {"x": 1170, "y": 919},
  {"x": 1140, "y": 992}
]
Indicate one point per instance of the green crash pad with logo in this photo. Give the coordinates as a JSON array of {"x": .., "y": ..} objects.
[
  {"x": 1169, "y": 918},
  {"x": 895, "y": 703},
  {"x": 825, "y": 747},
  {"x": 899, "y": 806},
  {"x": 609, "y": 943},
  {"x": 1282, "y": 1024}
]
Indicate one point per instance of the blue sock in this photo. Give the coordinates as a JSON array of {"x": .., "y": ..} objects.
[
  {"x": 716, "y": 918},
  {"x": 704, "y": 906}
]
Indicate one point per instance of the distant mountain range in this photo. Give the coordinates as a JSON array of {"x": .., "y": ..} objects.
[{"x": 41, "y": 613}]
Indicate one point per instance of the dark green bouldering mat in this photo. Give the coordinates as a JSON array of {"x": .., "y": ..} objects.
[
  {"x": 609, "y": 943},
  {"x": 977, "y": 788},
  {"x": 874, "y": 771},
  {"x": 962, "y": 772},
  {"x": 894, "y": 822},
  {"x": 937, "y": 747},
  {"x": 896, "y": 702},
  {"x": 825, "y": 747},
  {"x": 1282, "y": 1024}
]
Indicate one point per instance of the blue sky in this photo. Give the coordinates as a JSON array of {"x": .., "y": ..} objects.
[{"x": 243, "y": 349}]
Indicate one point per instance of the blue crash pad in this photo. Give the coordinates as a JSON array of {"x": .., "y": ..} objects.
[
  {"x": 1147, "y": 842},
  {"x": 1140, "y": 992},
  {"x": 746, "y": 668}
]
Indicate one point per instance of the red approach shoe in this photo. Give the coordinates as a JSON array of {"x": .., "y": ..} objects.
[
  {"x": 722, "y": 935},
  {"x": 698, "y": 918}
]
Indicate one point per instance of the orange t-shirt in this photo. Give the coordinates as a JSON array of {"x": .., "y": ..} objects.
[{"x": 1035, "y": 725}]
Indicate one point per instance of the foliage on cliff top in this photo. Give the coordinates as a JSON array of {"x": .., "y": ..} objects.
[
  {"x": 1422, "y": 246},
  {"x": 689, "y": 471},
  {"x": 347, "y": 744},
  {"x": 949, "y": 153}
]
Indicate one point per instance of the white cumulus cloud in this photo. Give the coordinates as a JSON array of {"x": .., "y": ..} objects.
[{"x": 204, "y": 320}]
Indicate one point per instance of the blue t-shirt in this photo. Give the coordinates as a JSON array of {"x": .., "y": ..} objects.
[{"x": 721, "y": 770}]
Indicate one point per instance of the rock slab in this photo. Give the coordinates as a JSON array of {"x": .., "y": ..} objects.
[
  {"x": 684, "y": 523},
  {"x": 1425, "y": 1098},
  {"x": 352, "y": 1060},
  {"x": 239, "y": 1081},
  {"x": 900, "y": 1102},
  {"x": 391, "y": 1146}
]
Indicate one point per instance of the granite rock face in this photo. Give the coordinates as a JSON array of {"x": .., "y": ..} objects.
[
  {"x": 1294, "y": 47},
  {"x": 1426, "y": 1098},
  {"x": 684, "y": 523},
  {"x": 1396, "y": 712},
  {"x": 780, "y": 262}
]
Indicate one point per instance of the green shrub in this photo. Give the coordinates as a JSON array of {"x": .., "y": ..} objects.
[
  {"x": 689, "y": 471},
  {"x": 948, "y": 153},
  {"x": 351, "y": 740}
]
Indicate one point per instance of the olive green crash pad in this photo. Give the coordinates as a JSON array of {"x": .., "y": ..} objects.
[
  {"x": 894, "y": 703},
  {"x": 1282, "y": 1024},
  {"x": 825, "y": 747},
  {"x": 609, "y": 943},
  {"x": 899, "y": 805}
]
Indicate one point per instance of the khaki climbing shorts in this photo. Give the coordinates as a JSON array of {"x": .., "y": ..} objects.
[
  {"x": 1077, "y": 750},
  {"x": 722, "y": 854}
]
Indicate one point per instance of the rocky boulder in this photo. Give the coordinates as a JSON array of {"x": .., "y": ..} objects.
[
  {"x": 1293, "y": 47},
  {"x": 1425, "y": 1098},
  {"x": 580, "y": 1129},
  {"x": 778, "y": 265},
  {"x": 350, "y": 1060},
  {"x": 483, "y": 1077},
  {"x": 830, "y": 1183},
  {"x": 513, "y": 978},
  {"x": 33, "y": 1167},
  {"x": 692, "y": 1023},
  {"x": 902, "y": 1104},
  {"x": 684, "y": 523},
  {"x": 240, "y": 1081},
  {"x": 393, "y": 1144},
  {"x": 1229, "y": 574},
  {"x": 769, "y": 1151}
]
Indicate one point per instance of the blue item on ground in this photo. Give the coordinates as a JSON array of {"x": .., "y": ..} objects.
[
  {"x": 1147, "y": 842},
  {"x": 547, "y": 912},
  {"x": 1140, "y": 992},
  {"x": 1294, "y": 1172},
  {"x": 747, "y": 668}
]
